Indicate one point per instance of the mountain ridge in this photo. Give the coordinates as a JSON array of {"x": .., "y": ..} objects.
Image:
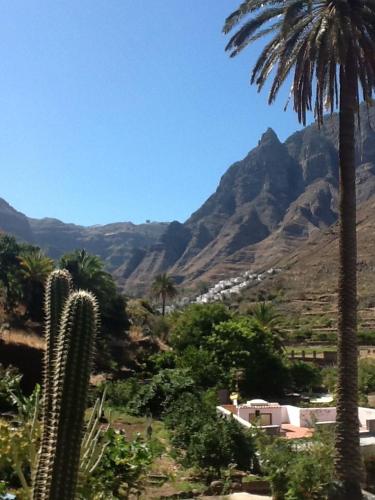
[{"x": 266, "y": 206}]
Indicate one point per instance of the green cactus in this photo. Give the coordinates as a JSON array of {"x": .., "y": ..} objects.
[
  {"x": 58, "y": 288},
  {"x": 69, "y": 364}
]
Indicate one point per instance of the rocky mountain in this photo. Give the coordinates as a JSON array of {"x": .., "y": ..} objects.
[
  {"x": 14, "y": 222},
  {"x": 121, "y": 245},
  {"x": 265, "y": 207}
]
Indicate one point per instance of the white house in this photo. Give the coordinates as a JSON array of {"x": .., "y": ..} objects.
[{"x": 293, "y": 422}]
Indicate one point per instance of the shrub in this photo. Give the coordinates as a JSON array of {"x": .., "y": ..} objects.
[
  {"x": 10, "y": 380},
  {"x": 192, "y": 326},
  {"x": 203, "y": 439},
  {"x": 366, "y": 375},
  {"x": 241, "y": 344},
  {"x": 219, "y": 443},
  {"x": 202, "y": 366},
  {"x": 366, "y": 338},
  {"x": 120, "y": 392},
  {"x": 161, "y": 361},
  {"x": 120, "y": 469},
  {"x": 184, "y": 416},
  {"x": 329, "y": 378},
  {"x": 304, "y": 376},
  {"x": 299, "y": 470},
  {"x": 163, "y": 388},
  {"x": 19, "y": 441}
]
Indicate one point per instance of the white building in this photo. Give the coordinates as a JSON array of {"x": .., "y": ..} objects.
[{"x": 293, "y": 422}]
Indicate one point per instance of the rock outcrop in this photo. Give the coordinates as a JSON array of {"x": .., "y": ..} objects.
[{"x": 265, "y": 206}]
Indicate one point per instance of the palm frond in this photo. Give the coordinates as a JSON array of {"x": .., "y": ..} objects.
[{"x": 311, "y": 39}]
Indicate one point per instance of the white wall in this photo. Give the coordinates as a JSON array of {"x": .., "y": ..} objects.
[
  {"x": 227, "y": 414},
  {"x": 284, "y": 415},
  {"x": 365, "y": 414},
  {"x": 292, "y": 415},
  {"x": 308, "y": 416},
  {"x": 276, "y": 413}
]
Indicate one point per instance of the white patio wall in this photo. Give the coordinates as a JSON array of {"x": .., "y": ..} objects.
[
  {"x": 309, "y": 416},
  {"x": 292, "y": 415},
  {"x": 365, "y": 414},
  {"x": 276, "y": 413}
]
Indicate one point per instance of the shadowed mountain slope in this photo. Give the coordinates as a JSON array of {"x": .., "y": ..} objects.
[{"x": 265, "y": 207}]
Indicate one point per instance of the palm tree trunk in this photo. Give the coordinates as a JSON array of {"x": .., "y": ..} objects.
[{"x": 348, "y": 464}]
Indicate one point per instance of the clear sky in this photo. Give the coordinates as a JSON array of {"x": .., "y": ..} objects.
[{"x": 114, "y": 110}]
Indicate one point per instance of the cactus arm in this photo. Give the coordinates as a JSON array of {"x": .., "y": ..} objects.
[
  {"x": 58, "y": 288},
  {"x": 71, "y": 326},
  {"x": 73, "y": 366}
]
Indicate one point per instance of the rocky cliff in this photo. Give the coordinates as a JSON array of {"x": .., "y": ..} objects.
[
  {"x": 266, "y": 206},
  {"x": 14, "y": 222}
]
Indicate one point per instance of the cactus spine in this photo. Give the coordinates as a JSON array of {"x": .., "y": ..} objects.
[
  {"x": 69, "y": 365},
  {"x": 58, "y": 288}
]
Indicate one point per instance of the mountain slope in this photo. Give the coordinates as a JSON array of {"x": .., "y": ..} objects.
[
  {"x": 265, "y": 207},
  {"x": 311, "y": 271},
  {"x": 14, "y": 222}
]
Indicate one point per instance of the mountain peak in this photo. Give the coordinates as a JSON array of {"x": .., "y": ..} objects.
[{"x": 269, "y": 137}]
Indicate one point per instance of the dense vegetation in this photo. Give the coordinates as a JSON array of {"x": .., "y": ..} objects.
[{"x": 179, "y": 364}]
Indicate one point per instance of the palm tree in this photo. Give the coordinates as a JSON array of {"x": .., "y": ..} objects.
[
  {"x": 267, "y": 319},
  {"x": 35, "y": 268},
  {"x": 88, "y": 272},
  {"x": 327, "y": 47},
  {"x": 163, "y": 286}
]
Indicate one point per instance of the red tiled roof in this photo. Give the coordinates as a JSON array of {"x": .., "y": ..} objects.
[
  {"x": 288, "y": 431},
  {"x": 292, "y": 432}
]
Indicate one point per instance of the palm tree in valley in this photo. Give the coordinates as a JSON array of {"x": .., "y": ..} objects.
[
  {"x": 326, "y": 49},
  {"x": 88, "y": 272},
  {"x": 163, "y": 287},
  {"x": 267, "y": 319},
  {"x": 35, "y": 268}
]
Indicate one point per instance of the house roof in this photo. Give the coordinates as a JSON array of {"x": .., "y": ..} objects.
[
  {"x": 290, "y": 431},
  {"x": 250, "y": 404}
]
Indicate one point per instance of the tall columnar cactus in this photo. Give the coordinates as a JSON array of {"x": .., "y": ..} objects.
[
  {"x": 69, "y": 361},
  {"x": 58, "y": 288}
]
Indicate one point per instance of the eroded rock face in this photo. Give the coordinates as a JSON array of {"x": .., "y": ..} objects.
[
  {"x": 264, "y": 206},
  {"x": 14, "y": 222},
  {"x": 269, "y": 202}
]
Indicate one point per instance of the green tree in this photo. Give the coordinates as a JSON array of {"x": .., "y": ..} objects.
[
  {"x": 202, "y": 365},
  {"x": 162, "y": 389},
  {"x": 208, "y": 441},
  {"x": 35, "y": 268},
  {"x": 329, "y": 378},
  {"x": 305, "y": 376},
  {"x": 163, "y": 287},
  {"x": 297, "y": 471},
  {"x": 329, "y": 45},
  {"x": 195, "y": 323},
  {"x": 9, "y": 252},
  {"x": 366, "y": 375},
  {"x": 238, "y": 344},
  {"x": 88, "y": 273},
  {"x": 220, "y": 443},
  {"x": 267, "y": 318}
]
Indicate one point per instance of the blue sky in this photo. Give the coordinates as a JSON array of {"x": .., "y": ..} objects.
[{"x": 114, "y": 110}]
